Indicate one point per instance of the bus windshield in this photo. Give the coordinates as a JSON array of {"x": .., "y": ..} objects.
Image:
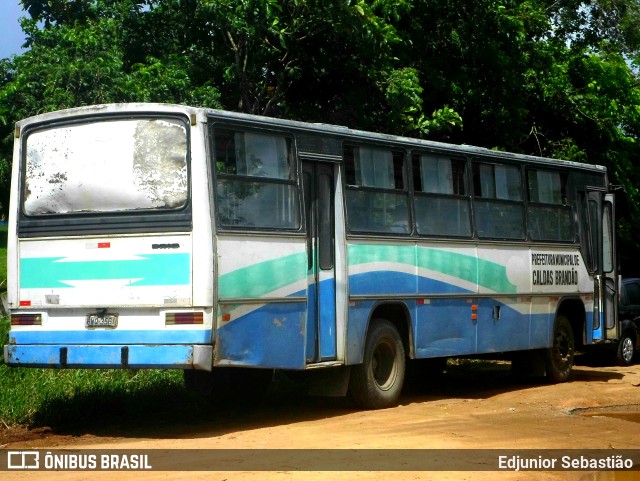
[{"x": 106, "y": 166}]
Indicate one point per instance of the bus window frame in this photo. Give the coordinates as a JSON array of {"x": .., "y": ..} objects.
[
  {"x": 522, "y": 202},
  {"x": 405, "y": 191},
  {"x": 294, "y": 180},
  {"x": 135, "y": 221},
  {"x": 568, "y": 203},
  {"x": 416, "y": 194}
]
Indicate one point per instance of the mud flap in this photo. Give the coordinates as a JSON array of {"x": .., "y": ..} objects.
[{"x": 329, "y": 382}]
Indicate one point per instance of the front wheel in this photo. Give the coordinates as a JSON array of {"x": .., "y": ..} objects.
[
  {"x": 559, "y": 357},
  {"x": 626, "y": 348},
  {"x": 377, "y": 382}
]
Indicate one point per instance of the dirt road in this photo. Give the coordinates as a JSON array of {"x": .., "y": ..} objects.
[{"x": 473, "y": 406}]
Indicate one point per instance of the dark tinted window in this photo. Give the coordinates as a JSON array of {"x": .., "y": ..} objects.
[
  {"x": 377, "y": 198},
  {"x": 632, "y": 291},
  {"x": 441, "y": 204},
  {"x": 548, "y": 216},
  {"x": 255, "y": 187},
  {"x": 499, "y": 212}
]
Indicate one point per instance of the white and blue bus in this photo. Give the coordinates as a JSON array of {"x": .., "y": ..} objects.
[{"x": 165, "y": 236}]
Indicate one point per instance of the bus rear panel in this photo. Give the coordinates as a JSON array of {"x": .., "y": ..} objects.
[{"x": 101, "y": 243}]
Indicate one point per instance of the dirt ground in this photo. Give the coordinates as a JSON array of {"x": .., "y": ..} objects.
[{"x": 473, "y": 406}]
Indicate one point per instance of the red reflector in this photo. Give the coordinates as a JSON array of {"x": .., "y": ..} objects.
[
  {"x": 184, "y": 318},
  {"x": 25, "y": 303},
  {"x": 104, "y": 245},
  {"x": 26, "y": 320}
]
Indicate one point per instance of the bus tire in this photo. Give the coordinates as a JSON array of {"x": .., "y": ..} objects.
[
  {"x": 377, "y": 382},
  {"x": 559, "y": 357},
  {"x": 626, "y": 349}
]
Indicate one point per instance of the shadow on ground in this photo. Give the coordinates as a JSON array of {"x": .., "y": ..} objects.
[{"x": 177, "y": 412}]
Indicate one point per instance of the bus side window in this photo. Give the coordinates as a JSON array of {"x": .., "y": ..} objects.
[
  {"x": 255, "y": 180},
  {"x": 441, "y": 199},
  {"x": 377, "y": 197},
  {"x": 549, "y": 217},
  {"x": 498, "y": 207}
]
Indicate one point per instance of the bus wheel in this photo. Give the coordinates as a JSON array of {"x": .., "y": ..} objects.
[
  {"x": 377, "y": 382},
  {"x": 626, "y": 348},
  {"x": 559, "y": 357}
]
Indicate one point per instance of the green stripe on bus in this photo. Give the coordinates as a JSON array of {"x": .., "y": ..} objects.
[
  {"x": 148, "y": 270},
  {"x": 259, "y": 279},
  {"x": 488, "y": 274}
]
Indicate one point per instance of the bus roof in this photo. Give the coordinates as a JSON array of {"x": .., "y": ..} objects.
[{"x": 335, "y": 131}]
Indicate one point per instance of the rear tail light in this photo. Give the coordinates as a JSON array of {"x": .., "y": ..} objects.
[
  {"x": 26, "y": 319},
  {"x": 173, "y": 318}
]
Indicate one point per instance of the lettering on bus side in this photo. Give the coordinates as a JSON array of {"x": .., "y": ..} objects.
[{"x": 554, "y": 269}]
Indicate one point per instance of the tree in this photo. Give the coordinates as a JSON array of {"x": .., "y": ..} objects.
[
  {"x": 82, "y": 56},
  {"x": 545, "y": 77}
]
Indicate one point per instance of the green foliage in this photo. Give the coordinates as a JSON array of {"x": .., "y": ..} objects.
[
  {"x": 552, "y": 78},
  {"x": 557, "y": 78},
  {"x": 48, "y": 397},
  {"x": 4, "y": 333},
  {"x": 3, "y": 258},
  {"x": 5, "y": 180}
]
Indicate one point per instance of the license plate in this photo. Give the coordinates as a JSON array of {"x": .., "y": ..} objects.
[{"x": 109, "y": 321}]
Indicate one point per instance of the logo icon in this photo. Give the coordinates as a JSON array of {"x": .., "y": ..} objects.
[{"x": 23, "y": 460}]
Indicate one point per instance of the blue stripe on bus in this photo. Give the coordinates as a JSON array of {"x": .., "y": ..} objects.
[
  {"x": 385, "y": 282},
  {"x": 116, "y": 336},
  {"x": 327, "y": 319},
  {"x": 592, "y": 334},
  {"x": 101, "y": 356},
  {"x": 271, "y": 336},
  {"x": 444, "y": 327}
]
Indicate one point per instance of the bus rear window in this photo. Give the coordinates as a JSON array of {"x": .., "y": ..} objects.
[{"x": 106, "y": 166}]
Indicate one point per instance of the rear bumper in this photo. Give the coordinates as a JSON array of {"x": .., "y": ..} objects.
[{"x": 137, "y": 356}]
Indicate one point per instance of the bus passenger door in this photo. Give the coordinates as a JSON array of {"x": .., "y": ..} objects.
[
  {"x": 605, "y": 296},
  {"x": 318, "y": 183}
]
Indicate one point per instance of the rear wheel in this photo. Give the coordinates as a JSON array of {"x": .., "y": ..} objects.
[
  {"x": 626, "y": 349},
  {"x": 377, "y": 382},
  {"x": 559, "y": 357}
]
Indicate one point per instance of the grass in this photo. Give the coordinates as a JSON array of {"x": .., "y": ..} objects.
[
  {"x": 48, "y": 397},
  {"x": 3, "y": 257},
  {"x": 78, "y": 398},
  {"x": 75, "y": 399},
  {"x": 59, "y": 398}
]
